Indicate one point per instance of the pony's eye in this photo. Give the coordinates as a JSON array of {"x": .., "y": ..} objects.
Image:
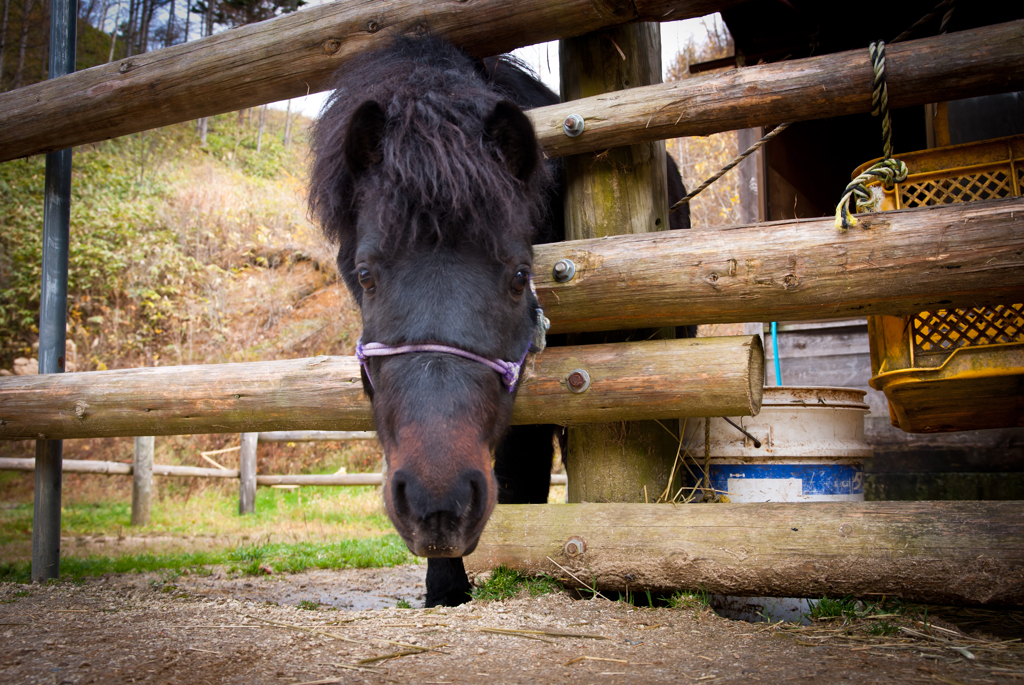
[
  {"x": 366, "y": 278},
  {"x": 519, "y": 282}
]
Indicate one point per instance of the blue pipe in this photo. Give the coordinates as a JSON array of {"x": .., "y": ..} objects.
[{"x": 775, "y": 348}]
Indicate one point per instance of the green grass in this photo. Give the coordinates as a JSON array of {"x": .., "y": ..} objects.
[
  {"x": 690, "y": 599},
  {"x": 826, "y": 608},
  {"x": 376, "y": 552},
  {"x": 506, "y": 583},
  {"x": 355, "y": 509}
]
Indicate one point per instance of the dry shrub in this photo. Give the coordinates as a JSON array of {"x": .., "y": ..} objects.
[{"x": 701, "y": 157}]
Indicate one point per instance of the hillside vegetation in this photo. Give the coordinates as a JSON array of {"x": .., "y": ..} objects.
[{"x": 179, "y": 253}]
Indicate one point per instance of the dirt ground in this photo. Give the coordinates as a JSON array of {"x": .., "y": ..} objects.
[{"x": 213, "y": 629}]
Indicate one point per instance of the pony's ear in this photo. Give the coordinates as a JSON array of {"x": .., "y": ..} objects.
[
  {"x": 362, "y": 142},
  {"x": 511, "y": 131}
]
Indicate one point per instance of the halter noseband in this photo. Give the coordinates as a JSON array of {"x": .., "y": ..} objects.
[{"x": 509, "y": 371}]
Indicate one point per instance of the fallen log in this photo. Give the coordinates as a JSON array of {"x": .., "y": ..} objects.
[
  {"x": 935, "y": 552},
  {"x": 629, "y": 381},
  {"x": 964, "y": 255},
  {"x": 289, "y": 56}
]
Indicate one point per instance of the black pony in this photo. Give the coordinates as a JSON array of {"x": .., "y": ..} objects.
[{"x": 429, "y": 177}]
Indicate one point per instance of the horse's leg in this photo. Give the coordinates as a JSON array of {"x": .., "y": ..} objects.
[
  {"x": 447, "y": 583},
  {"x": 522, "y": 464}
]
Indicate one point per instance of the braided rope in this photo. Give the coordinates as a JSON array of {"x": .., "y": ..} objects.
[
  {"x": 889, "y": 171},
  {"x": 880, "y": 95},
  {"x": 728, "y": 167}
]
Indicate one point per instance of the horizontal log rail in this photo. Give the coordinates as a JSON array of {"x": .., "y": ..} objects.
[
  {"x": 935, "y": 552},
  {"x": 629, "y": 381},
  {"x": 963, "y": 255},
  {"x": 948, "y": 67},
  {"x": 257, "y": 63},
  {"x": 286, "y": 57},
  {"x": 116, "y": 468}
]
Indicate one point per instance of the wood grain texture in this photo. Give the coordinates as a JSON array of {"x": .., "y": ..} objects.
[
  {"x": 950, "y": 67},
  {"x": 963, "y": 255},
  {"x": 937, "y": 552},
  {"x": 644, "y": 380},
  {"x": 286, "y": 57},
  {"x": 622, "y": 190}
]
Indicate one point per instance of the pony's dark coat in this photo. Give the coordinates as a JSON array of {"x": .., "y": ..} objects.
[{"x": 429, "y": 178}]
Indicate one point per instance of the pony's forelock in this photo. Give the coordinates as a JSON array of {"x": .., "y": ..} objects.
[{"x": 439, "y": 179}]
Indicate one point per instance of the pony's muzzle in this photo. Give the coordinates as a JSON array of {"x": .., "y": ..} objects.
[{"x": 441, "y": 521}]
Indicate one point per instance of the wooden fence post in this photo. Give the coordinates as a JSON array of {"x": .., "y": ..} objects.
[
  {"x": 142, "y": 480},
  {"x": 622, "y": 190},
  {"x": 247, "y": 474}
]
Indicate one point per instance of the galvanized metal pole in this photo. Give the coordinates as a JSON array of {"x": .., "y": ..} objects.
[{"x": 53, "y": 305}]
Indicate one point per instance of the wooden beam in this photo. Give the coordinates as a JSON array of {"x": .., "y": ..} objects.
[
  {"x": 292, "y": 55},
  {"x": 963, "y": 255},
  {"x": 948, "y": 67},
  {"x": 286, "y": 57},
  {"x": 936, "y": 552},
  {"x": 642, "y": 380}
]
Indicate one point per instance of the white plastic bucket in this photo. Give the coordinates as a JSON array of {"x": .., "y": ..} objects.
[{"x": 811, "y": 449}]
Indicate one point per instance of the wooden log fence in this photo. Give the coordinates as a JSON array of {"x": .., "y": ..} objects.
[
  {"x": 287, "y": 57},
  {"x": 936, "y": 552},
  {"x": 235, "y": 69},
  {"x": 643, "y": 380},
  {"x": 963, "y": 255}
]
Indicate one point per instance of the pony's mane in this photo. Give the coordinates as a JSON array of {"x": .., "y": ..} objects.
[{"x": 439, "y": 180}]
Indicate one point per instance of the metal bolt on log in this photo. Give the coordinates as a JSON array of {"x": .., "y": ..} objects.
[
  {"x": 564, "y": 270},
  {"x": 578, "y": 380},
  {"x": 573, "y": 125}
]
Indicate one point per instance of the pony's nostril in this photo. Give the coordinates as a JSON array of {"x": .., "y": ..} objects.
[
  {"x": 477, "y": 497},
  {"x": 399, "y": 496}
]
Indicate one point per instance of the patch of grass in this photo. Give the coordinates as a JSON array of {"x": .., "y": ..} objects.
[
  {"x": 826, "y": 608},
  {"x": 883, "y": 628},
  {"x": 332, "y": 512},
  {"x": 376, "y": 552},
  {"x": 309, "y": 605},
  {"x": 402, "y": 604},
  {"x": 697, "y": 600},
  {"x": 506, "y": 583}
]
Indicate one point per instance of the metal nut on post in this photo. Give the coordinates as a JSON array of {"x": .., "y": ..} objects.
[
  {"x": 578, "y": 380},
  {"x": 575, "y": 547},
  {"x": 564, "y": 270},
  {"x": 573, "y": 125}
]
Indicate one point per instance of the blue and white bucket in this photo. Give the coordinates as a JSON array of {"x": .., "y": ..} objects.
[{"x": 812, "y": 449}]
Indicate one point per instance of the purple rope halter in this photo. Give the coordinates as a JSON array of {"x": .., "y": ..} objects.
[{"x": 509, "y": 371}]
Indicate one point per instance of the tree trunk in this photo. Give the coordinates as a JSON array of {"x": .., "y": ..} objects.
[
  {"x": 259, "y": 136},
  {"x": 288, "y": 125},
  {"x": 113, "y": 32},
  {"x": 169, "y": 35},
  {"x": 22, "y": 45},
  {"x": 3, "y": 40}
]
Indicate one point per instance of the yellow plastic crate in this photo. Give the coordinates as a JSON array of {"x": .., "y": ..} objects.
[{"x": 953, "y": 369}]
